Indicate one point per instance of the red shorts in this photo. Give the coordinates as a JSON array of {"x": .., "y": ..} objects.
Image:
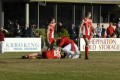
[{"x": 87, "y": 36}]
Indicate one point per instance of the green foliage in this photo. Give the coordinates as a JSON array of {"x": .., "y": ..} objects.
[
  {"x": 40, "y": 32},
  {"x": 63, "y": 32}
]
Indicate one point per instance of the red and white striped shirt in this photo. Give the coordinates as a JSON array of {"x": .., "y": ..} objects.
[
  {"x": 87, "y": 26},
  {"x": 52, "y": 29}
]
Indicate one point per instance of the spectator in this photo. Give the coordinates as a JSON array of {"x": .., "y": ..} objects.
[
  {"x": 10, "y": 25},
  {"x": 31, "y": 31},
  {"x": 103, "y": 32},
  {"x": 98, "y": 31},
  {"x": 72, "y": 32},
  {"x": 25, "y": 32},
  {"x": 117, "y": 30},
  {"x": 17, "y": 31},
  {"x": 77, "y": 35},
  {"x": 110, "y": 31},
  {"x": 59, "y": 27}
]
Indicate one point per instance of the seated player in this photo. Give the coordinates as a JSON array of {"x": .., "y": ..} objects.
[
  {"x": 69, "y": 47},
  {"x": 46, "y": 54}
]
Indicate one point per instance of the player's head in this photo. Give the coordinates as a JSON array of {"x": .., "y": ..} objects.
[
  {"x": 44, "y": 54},
  {"x": 102, "y": 25},
  {"x": 98, "y": 24},
  {"x": 88, "y": 14},
  {"x": 52, "y": 20},
  {"x": 25, "y": 57},
  {"x": 111, "y": 24}
]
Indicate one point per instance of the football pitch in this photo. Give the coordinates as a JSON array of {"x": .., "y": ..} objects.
[{"x": 100, "y": 66}]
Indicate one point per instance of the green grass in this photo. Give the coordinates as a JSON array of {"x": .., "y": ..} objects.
[{"x": 100, "y": 66}]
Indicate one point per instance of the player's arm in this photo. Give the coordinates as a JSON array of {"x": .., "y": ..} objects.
[
  {"x": 93, "y": 30},
  {"x": 61, "y": 43},
  {"x": 6, "y": 31},
  {"x": 48, "y": 31}
]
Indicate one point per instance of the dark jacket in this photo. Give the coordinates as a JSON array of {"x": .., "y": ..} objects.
[
  {"x": 25, "y": 32},
  {"x": 17, "y": 32}
]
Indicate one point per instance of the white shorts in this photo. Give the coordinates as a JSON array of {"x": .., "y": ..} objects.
[{"x": 71, "y": 54}]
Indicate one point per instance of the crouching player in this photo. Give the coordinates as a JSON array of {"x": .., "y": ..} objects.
[
  {"x": 46, "y": 54},
  {"x": 69, "y": 47}
]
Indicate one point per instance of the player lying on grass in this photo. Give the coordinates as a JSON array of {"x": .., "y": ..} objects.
[
  {"x": 69, "y": 47},
  {"x": 46, "y": 54}
]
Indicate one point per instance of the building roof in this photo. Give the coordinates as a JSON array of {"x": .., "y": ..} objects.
[{"x": 82, "y": 1}]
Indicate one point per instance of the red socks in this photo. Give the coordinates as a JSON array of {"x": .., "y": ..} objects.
[{"x": 86, "y": 52}]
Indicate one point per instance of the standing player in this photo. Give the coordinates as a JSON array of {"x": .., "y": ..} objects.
[
  {"x": 2, "y": 31},
  {"x": 86, "y": 28},
  {"x": 50, "y": 33}
]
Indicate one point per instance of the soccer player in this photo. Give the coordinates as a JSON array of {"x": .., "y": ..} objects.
[
  {"x": 86, "y": 28},
  {"x": 2, "y": 31},
  {"x": 69, "y": 47},
  {"x": 46, "y": 54},
  {"x": 50, "y": 32}
]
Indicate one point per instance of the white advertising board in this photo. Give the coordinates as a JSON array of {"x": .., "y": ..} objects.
[
  {"x": 22, "y": 45},
  {"x": 101, "y": 44}
]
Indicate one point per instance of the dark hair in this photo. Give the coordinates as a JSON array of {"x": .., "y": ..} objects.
[
  {"x": 111, "y": 22},
  {"x": 24, "y": 57},
  {"x": 51, "y": 19},
  {"x": 98, "y": 23},
  {"x": 44, "y": 54},
  {"x": 102, "y": 25},
  {"x": 87, "y": 14}
]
